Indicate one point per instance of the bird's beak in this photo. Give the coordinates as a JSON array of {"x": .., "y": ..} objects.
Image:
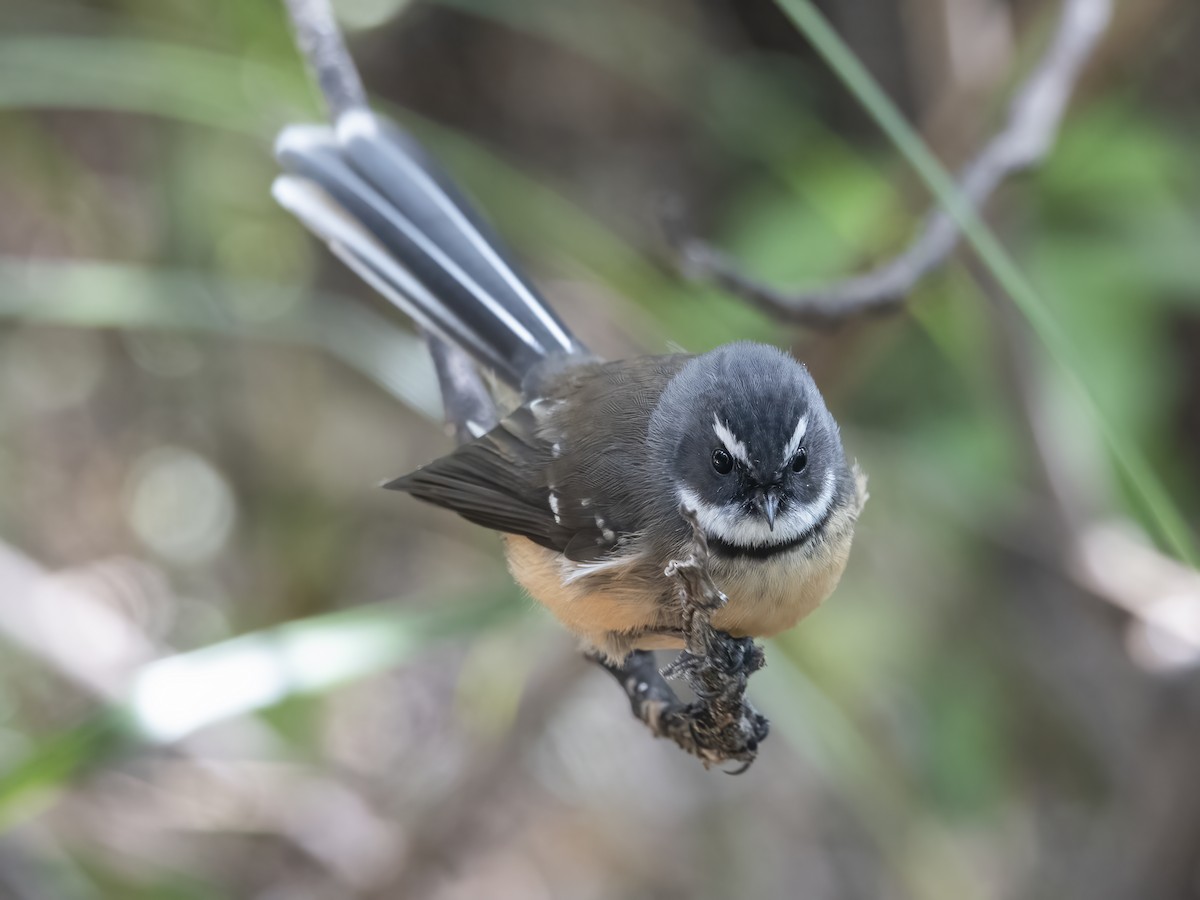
[{"x": 768, "y": 504}]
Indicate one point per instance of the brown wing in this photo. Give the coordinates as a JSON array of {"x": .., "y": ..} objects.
[
  {"x": 497, "y": 481},
  {"x": 567, "y": 470}
]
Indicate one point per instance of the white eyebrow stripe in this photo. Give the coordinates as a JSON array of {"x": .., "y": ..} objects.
[
  {"x": 793, "y": 444},
  {"x": 735, "y": 447}
]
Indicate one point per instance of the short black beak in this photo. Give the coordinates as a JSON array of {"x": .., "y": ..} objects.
[{"x": 767, "y": 503}]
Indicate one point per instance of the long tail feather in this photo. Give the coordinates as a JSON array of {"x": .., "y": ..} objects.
[{"x": 386, "y": 210}]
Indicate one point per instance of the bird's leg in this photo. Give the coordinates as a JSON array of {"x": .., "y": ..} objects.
[
  {"x": 716, "y": 729},
  {"x": 650, "y": 697}
]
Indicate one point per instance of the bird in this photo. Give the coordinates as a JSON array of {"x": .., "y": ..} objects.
[{"x": 602, "y": 471}]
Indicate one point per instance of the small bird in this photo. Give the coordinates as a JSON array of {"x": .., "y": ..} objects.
[{"x": 589, "y": 477}]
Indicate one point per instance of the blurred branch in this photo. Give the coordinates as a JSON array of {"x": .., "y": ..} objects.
[
  {"x": 320, "y": 42},
  {"x": 1033, "y": 121},
  {"x": 51, "y": 618},
  {"x": 1161, "y": 595},
  {"x": 163, "y": 699},
  {"x": 1113, "y": 562},
  {"x": 470, "y": 410},
  {"x": 451, "y": 825}
]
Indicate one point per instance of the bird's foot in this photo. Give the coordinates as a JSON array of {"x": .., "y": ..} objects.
[{"x": 721, "y": 725}]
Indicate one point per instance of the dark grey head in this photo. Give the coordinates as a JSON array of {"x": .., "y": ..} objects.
[{"x": 745, "y": 440}]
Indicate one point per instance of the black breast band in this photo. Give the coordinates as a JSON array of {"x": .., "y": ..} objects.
[{"x": 725, "y": 549}]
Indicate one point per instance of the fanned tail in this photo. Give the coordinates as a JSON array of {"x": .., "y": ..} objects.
[{"x": 373, "y": 194}]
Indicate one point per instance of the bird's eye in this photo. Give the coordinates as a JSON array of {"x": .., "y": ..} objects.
[
  {"x": 722, "y": 461},
  {"x": 800, "y": 460}
]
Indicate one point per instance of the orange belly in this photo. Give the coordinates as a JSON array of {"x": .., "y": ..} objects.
[
  {"x": 634, "y": 606},
  {"x": 617, "y": 606}
]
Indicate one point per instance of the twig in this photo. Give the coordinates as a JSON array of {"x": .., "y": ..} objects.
[
  {"x": 320, "y": 42},
  {"x": 51, "y": 617},
  {"x": 720, "y": 725},
  {"x": 1033, "y": 121}
]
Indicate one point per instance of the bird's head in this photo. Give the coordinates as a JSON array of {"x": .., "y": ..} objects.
[{"x": 744, "y": 437}]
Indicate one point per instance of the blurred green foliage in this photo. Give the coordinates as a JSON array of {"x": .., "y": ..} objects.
[{"x": 921, "y": 720}]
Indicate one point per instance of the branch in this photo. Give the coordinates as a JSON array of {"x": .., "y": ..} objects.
[
  {"x": 720, "y": 725},
  {"x": 1033, "y": 122},
  {"x": 320, "y": 42}
]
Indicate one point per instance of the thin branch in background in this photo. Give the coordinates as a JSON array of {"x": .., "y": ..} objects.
[
  {"x": 1033, "y": 122},
  {"x": 321, "y": 45},
  {"x": 52, "y": 617},
  {"x": 452, "y": 825},
  {"x": 1112, "y": 560}
]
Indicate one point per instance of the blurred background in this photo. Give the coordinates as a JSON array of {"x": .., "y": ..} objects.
[{"x": 233, "y": 667}]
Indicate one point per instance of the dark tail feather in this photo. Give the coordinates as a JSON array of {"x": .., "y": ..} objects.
[{"x": 385, "y": 208}]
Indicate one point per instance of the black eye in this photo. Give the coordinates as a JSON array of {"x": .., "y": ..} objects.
[
  {"x": 800, "y": 460},
  {"x": 722, "y": 461}
]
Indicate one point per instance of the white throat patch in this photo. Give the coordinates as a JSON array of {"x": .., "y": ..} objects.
[{"x": 734, "y": 525}]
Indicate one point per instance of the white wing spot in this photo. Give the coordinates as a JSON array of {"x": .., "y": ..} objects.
[
  {"x": 542, "y": 408},
  {"x": 727, "y": 438},
  {"x": 607, "y": 533},
  {"x": 554, "y": 508}
]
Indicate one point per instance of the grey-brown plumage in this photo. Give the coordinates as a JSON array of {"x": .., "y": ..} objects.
[
  {"x": 589, "y": 478},
  {"x": 588, "y": 475},
  {"x": 567, "y": 470}
]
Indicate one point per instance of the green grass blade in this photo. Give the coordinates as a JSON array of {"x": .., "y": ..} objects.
[
  {"x": 1172, "y": 528},
  {"x": 170, "y": 698},
  {"x": 174, "y": 697},
  {"x": 152, "y": 78}
]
